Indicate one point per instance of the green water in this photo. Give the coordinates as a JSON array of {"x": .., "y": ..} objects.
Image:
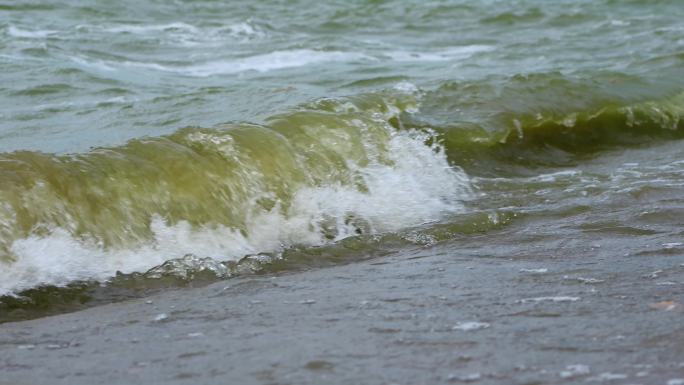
[
  {"x": 93, "y": 73},
  {"x": 133, "y": 133}
]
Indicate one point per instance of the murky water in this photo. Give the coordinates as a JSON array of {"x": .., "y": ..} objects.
[{"x": 147, "y": 145}]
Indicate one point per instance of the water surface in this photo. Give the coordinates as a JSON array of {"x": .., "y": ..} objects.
[{"x": 263, "y": 137}]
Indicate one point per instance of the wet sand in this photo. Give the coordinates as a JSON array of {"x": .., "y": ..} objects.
[{"x": 520, "y": 314}]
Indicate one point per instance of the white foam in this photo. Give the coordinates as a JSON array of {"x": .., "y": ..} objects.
[
  {"x": 145, "y": 29},
  {"x": 40, "y": 34},
  {"x": 607, "y": 377},
  {"x": 418, "y": 186},
  {"x": 619, "y": 23},
  {"x": 406, "y": 87},
  {"x": 550, "y": 299},
  {"x": 260, "y": 63},
  {"x": 448, "y": 54},
  {"x": 99, "y": 65},
  {"x": 572, "y": 371},
  {"x": 242, "y": 29},
  {"x": 271, "y": 61},
  {"x": 245, "y": 29},
  {"x": 180, "y": 34},
  {"x": 470, "y": 326}
]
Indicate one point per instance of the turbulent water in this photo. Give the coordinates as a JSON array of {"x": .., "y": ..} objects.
[{"x": 216, "y": 134}]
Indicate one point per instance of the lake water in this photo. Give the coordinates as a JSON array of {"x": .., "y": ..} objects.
[{"x": 151, "y": 140}]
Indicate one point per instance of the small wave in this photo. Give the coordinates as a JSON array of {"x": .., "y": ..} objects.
[
  {"x": 45, "y": 89},
  {"x": 279, "y": 60},
  {"x": 547, "y": 118},
  {"x": 510, "y": 18},
  {"x": 406, "y": 87},
  {"x": 452, "y": 53},
  {"x": 21, "y": 33},
  {"x": 245, "y": 29},
  {"x": 260, "y": 63},
  {"x": 93, "y": 64},
  {"x": 273, "y": 61},
  {"x": 144, "y": 29},
  {"x": 552, "y": 139},
  {"x": 242, "y": 29},
  {"x": 184, "y": 34}
]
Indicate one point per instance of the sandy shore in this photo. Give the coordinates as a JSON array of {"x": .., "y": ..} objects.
[{"x": 427, "y": 316}]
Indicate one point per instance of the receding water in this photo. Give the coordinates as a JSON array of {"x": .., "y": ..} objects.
[{"x": 212, "y": 139}]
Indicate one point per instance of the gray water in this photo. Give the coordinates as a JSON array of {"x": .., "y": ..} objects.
[{"x": 168, "y": 140}]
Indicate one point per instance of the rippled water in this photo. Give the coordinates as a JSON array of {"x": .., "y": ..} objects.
[
  {"x": 134, "y": 133},
  {"x": 93, "y": 73}
]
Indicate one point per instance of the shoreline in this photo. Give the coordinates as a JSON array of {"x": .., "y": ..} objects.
[{"x": 422, "y": 316}]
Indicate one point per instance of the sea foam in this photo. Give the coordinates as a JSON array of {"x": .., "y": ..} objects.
[{"x": 417, "y": 186}]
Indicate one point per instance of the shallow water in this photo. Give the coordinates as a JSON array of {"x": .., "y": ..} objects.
[{"x": 233, "y": 139}]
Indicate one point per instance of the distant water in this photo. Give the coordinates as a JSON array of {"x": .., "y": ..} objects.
[{"x": 138, "y": 132}]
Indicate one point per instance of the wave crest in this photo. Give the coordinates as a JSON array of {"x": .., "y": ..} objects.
[{"x": 324, "y": 172}]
